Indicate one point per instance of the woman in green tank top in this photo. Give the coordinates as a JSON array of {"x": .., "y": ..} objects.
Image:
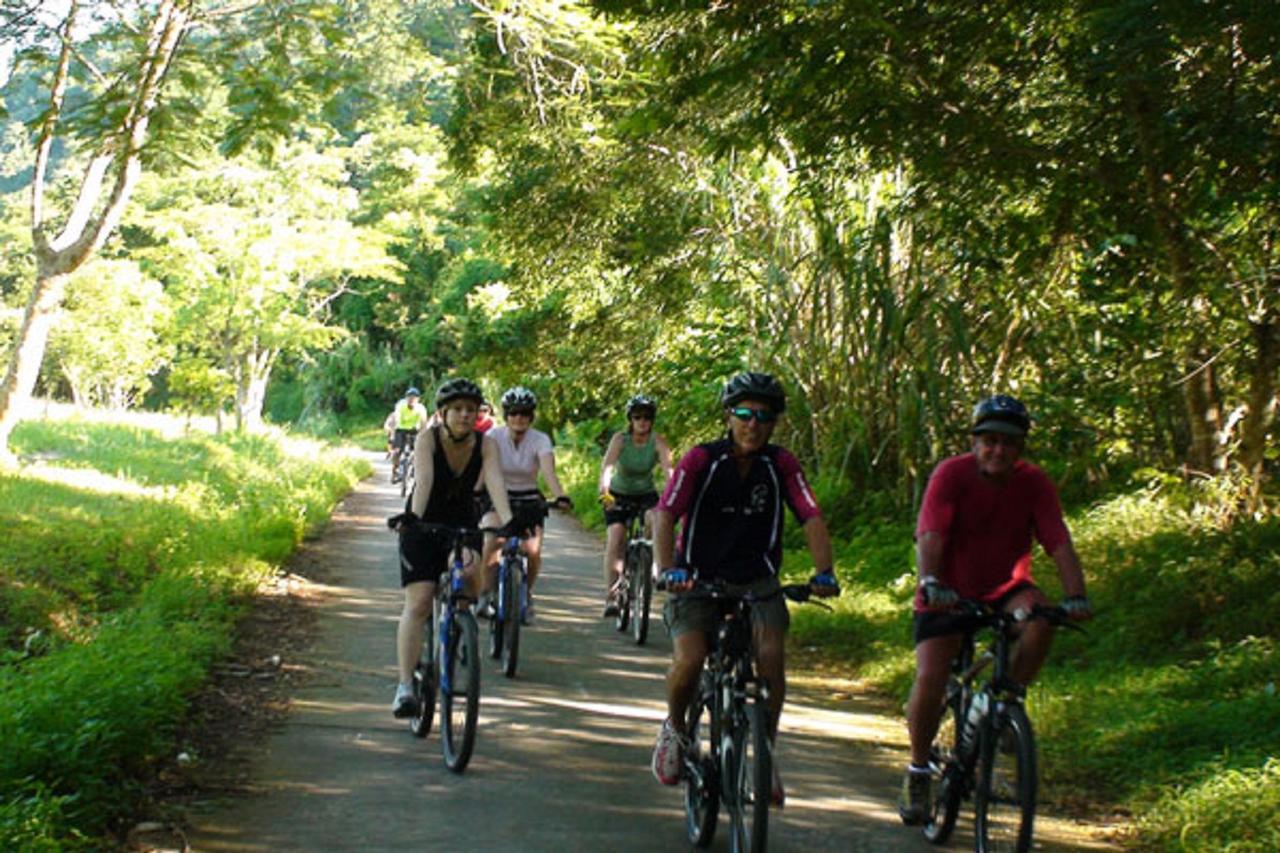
[{"x": 626, "y": 481}]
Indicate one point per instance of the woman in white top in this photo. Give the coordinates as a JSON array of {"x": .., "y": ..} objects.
[{"x": 524, "y": 452}]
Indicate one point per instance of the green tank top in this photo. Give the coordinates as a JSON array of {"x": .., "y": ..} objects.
[{"x": 633, "y": 474}]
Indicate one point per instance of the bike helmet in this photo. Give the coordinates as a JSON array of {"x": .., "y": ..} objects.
[
  {"x": 1000, "y": 413},
  {"x": 518, "y": 397},
  {"x": 413, "y": 392},
  {"x": 458, "y": 389},
  {"x": 755, "y": 386},
  {"x": 642, "y": 403}
]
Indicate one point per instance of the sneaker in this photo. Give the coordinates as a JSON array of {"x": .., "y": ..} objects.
[
  {"x": 778, "y": 796},
  {"x": 404, "y": 705},
  {"x": 526, "y": 618},
  {"x": 913, "y": 805},
  {"x": 610, "y": 608},
  {"x": 485, "y": 608},
  {"x": 666, "y": 755}
]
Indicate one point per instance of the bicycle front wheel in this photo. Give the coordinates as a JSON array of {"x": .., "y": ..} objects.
[
  {"x": 623, "y": 620},
  {"x": 748, "y": 769},
  {"x": 511, "y": 621},
  {"x": 1005, "y": 806},
  {"x": 460, "y": 692},
  {"x": 947, "y": 771},
  {"x": 641, "y": 593},
  {"x": 702, "y": 781}
]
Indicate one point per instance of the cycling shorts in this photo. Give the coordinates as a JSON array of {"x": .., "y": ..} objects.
[
  {"x": 404, "y": 438},
  {"x": 528, "y": 509},
  {"x": 425, "y": 555},
  {"x": 694, "y": 613},
  {"x": 621, "y": 511},
  {"x": 941, "y": 623}
]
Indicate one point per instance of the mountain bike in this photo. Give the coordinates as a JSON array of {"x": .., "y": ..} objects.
[
  {"x": 404, "y": 469},
  {"x": 450, "y": 661},
  {"x": 729, "y": 758},
  {"x": 985, "y": 748},
  {"x": 635, "y": 590},
  {"x": 512, "y": 591}
]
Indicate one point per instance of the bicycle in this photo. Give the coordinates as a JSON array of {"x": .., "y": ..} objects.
[
  {"x": 450, "y": 663},
  {"x": 635, "y": 589},
  {"x": 404, "y": 468},
  {"x": 985, "y": 748},
  {"x": 729, "y": 758},
  {"x": 512, "y": 590}
]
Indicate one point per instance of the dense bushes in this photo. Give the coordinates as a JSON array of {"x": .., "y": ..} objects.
[{"x": 136, "y": 554}]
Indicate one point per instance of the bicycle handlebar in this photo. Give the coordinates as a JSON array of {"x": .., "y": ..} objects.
[{"x": 990, "y": 617}]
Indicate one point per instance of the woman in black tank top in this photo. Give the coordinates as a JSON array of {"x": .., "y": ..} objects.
[{"x": 449, "y": 459}]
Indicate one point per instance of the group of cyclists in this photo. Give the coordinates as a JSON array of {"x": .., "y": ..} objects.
[{"x": 720, "y": 519}]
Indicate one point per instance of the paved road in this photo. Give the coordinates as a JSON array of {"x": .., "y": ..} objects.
[{"x": 562, "y": 754}]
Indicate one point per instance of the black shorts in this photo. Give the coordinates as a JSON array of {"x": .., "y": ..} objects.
[
  {"x": 527, "y": 508},
  {"x": 625, "y": 505},
  {"x": 425, "y": 554},
  {"x": 403, "y": 438},
  {"x": 941, "y": 623}
]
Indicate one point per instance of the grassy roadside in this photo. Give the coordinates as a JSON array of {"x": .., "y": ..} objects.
[
  {"x": 137, "y": 548},
  {"x": 1168, "y": 708}
]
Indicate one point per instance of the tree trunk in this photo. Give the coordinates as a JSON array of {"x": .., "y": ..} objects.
[
  {"x": 251, "y": 389},
  {"x": 28, "y": 353},
  {"x": 1262, "y": 402}
]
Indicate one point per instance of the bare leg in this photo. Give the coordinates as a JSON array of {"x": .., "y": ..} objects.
[{"x": 418, "y": 597}]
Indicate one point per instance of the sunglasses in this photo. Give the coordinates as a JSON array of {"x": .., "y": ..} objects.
[
  {"x": 520, "y": 413},
  {"x": 991, "y": 439},
  {"x": 745, "y": 413},
  {"x": 642, "y": 416}
]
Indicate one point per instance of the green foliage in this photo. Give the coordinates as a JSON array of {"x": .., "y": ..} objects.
[{"x": 137, "y": 552}]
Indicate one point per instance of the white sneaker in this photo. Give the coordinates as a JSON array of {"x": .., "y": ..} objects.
[
  {"x": 404, "y": 705},
  {"x": 666, "y": 755}
]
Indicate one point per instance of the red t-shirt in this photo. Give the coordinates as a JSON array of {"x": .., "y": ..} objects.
[{"x": 987, "y": 527}]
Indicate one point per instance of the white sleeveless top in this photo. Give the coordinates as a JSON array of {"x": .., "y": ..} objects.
[{"x": 520, "y": 463}]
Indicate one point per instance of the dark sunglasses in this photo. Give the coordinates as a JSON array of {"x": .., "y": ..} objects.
[
  {"x": 745, "y": 413},
  {"x": 520, "y": 413},
  {"x": 641, "y": 416}
]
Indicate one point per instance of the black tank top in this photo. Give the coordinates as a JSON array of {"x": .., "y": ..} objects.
[{"x": 451, "y": 501}]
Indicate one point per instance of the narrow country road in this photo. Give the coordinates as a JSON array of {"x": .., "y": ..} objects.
[{"x": 562, "y": 754}]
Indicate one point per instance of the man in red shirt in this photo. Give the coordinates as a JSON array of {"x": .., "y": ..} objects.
[{"x": 973, "y": 540}]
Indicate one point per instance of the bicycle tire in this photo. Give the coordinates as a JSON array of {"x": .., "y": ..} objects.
[
  {"x": 496, "y": 619},
  {"x": 751, "y": 781},
  {"x": 404, "y": 474},
  {"x": 511, "y": 621},
  {"x": 642, "y": 596},
  {"x": 1005, "y": 803},
  {"x": 948, "y": 771},
  {"x": 460, "y": 704},
  {"x": 702, "y": 785}
]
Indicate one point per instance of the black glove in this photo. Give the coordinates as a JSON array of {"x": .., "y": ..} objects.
[
  {"x": 1077, "y": 607},
  {"x": 403, "y": 520},
  {"x": 563, "y": 502},
  {"x": 825, "y": 582},
  {"x": 938, "y": 594}
]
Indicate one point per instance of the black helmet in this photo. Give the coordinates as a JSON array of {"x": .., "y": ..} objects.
[
  {"x": 642, "y": 403},
  {"x": 756, "y": 386},
  {"x": 458, "y": 389},
  {"x": 1001, "y": 413},
  {"x": 413, "y": 392},
  {"x": 518, "y": 397}
]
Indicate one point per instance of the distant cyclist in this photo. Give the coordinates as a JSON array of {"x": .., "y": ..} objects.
[
  {"x": 730, "y": 496},
  {"x": 981, "y": 511},
  {"x": 524, "y": 453},
  {"x": 450, "y": 459},
  {"x": 626, "y": 481},
  {"x": 409, "y": 417},
  {"x": 485, "y": 421}
]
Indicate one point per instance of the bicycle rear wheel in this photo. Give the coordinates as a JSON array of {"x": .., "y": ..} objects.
[
  {"x": 460, "y": 692},
  {"x": 511, "y": 620},
  {"x": 702, "y": 781},
  {"x": 748, "y": 771},
  {"x": 641, "y": 592},
  {"x": 1005, "y": 807},
  {"x": 947, "y": 771}
]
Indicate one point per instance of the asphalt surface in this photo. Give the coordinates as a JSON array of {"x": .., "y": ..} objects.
[{"x": 562, "y": 754}]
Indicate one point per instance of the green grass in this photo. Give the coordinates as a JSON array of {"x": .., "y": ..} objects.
[
  {"x": 1168, "y": 707},
  {"x": 138, "y": 550}
]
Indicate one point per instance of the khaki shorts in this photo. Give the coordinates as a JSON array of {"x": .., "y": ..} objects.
[{"x": 691, "y": 613}]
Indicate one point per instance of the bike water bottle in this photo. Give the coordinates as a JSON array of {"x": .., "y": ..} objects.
[{"x": 977, "y": 710}]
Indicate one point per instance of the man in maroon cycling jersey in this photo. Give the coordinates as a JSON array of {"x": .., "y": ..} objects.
[
  {"x": 730, "y": 497},
  {"x": 973, "y": 540}
]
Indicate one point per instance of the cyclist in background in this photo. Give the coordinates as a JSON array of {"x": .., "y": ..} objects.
[
  {"x": 524, "y": 452},
  {"x": 484, "y": 421},
  {"x": 973, "y": 541},
  {"x": 409, "y": 417},
  {"x": 450, "y": 459},
  {"x": 626, "y": 481},
  {"x": 729, "y": 496}
]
